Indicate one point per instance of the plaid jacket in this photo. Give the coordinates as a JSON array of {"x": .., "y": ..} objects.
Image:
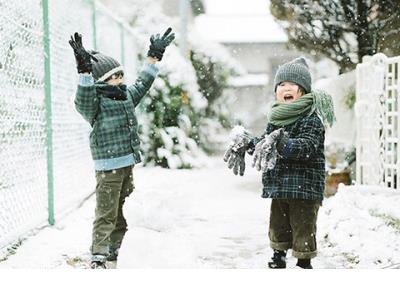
[
  {"x": 300, "y": 168},
  {"x": 114, "y": 134}
]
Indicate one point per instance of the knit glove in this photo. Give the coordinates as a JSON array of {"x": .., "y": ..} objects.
[
  {"x": 82, "y": 57},
  {"x": 158, "y": 44},
  {"x": 235, "y": 154},
  {"x": 266, "y": 153}
]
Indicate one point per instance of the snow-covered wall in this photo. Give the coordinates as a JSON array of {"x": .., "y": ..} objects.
[{"x": 344, "y": 130}]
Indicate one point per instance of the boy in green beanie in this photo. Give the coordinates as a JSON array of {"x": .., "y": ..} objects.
[
  {"x": 108, "y": 105},
  {"x": 291, "y": 156}
]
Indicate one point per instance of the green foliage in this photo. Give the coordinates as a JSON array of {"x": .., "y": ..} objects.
[
  {"x": 343, "y": 31},
  {"x": 389, "y": 220},
  {"x": 167, "y": 113},
  {"x": 212, "y": 78},
  {"x": 197, "y": 7},
  {"x": 339, "y": 156},
  {"x": 176, "y": 121},
  {"x": 350, "y": 98}
]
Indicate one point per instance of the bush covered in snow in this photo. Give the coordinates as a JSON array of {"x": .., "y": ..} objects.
[
  {"x": 183, "y": 114},
  {"x": 214, "y": 67},
  {"x": 169, "y": 122},
  {"x": 339, "y": 156}
]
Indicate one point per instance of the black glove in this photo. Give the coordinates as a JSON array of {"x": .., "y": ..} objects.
[
  {"x": 82, "y": 57},
  {"x": 158, "y": 44}
]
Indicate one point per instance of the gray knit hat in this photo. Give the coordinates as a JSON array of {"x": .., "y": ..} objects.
[
  {"x": 295, "y": 71},
  {"x": 105, "y": 67}
]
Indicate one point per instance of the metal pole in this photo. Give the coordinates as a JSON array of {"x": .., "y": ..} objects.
[
  {"x": 94, "y": 24},
  {"x": 122, "y": 37},
  {"x": 49, "y": 131},
  {"x": 184, "y": 17}
]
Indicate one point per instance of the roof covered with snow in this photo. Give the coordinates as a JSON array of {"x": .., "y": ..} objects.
[{"x": 233, "y": 21}]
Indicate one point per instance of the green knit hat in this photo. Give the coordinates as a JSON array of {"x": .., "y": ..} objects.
[{"x": 295, "y": 71}]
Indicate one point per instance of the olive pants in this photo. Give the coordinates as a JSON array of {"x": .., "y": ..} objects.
[
  {"x": 109, "y": 226},
  {"x": 293, "y": 224}
]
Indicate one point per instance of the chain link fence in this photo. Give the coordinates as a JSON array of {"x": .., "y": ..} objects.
[{"x": 45, "y": 162}]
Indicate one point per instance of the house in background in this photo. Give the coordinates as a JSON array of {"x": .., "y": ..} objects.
[
  {"x": 172, "y": 8},
  {"x": 256, "y": 41},
  {"x": 259, "y": 45}
]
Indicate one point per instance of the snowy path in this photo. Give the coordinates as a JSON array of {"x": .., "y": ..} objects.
[
  {"x": 209, "y": 218},
  {"x": 202, "y": 218}
]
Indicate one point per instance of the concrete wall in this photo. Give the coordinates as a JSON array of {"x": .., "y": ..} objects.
[
  {"x": 250, "y": 102},
  {"x": 261, "y": 57},
  {"x": 249, "y": 105}
]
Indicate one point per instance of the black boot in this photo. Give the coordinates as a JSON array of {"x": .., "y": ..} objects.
[
  {"x": 98, "y": 265},
  {"x": 304, "y": 263},
  {"x": 98, "y": 262},
  {"x": 278, "y": 260},
  {"x": 113, "y": 255}
]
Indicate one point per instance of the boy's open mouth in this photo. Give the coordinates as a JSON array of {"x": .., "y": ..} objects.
[{"x": 288, "y": 97}]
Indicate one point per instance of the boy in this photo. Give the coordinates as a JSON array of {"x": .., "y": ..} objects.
[
  {"x": 291, "y": 156},
  {"x": 109, "y": 106}
]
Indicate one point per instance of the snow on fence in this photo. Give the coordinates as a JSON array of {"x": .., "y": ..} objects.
[
  {"x": 378, "y": 121},
  {"x": 45, "y": 163}
]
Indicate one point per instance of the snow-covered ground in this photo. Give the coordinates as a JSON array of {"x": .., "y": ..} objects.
[{"x": 209, "y": 218}]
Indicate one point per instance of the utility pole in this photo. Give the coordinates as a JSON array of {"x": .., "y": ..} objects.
[{"x": 184, "y": 16}]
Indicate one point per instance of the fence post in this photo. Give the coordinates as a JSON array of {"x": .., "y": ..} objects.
[{"x": 49, "y": 130}]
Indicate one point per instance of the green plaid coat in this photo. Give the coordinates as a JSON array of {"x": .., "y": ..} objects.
[
  {"x": 300, "y": 168},
  {"x": 114, "y": 123}
]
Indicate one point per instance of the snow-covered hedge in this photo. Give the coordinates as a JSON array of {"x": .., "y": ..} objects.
[
  {"x": 214, "y": 68},
  {"x": 183, "y": 114},
  {"x": 170, "y": 116}
]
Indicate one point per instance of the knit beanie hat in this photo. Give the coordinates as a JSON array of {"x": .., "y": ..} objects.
[
  {"x": 295, "y": 71},
  {"x": 105, "y": 67}
]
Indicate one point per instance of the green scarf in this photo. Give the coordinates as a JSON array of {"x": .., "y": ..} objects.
[{"x": 282, "y": 114}]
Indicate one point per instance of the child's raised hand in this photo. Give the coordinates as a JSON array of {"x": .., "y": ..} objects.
[
  {"x": 82, "y": 57},
  {"x": 158, "y": 44}
]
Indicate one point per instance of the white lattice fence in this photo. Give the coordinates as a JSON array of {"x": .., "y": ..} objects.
[{"x": 378, "y": 121}]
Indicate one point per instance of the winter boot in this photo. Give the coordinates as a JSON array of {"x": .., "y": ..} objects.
[
  {"x": 113, "y": 255},
  {"x": 304, "y": 263},
  {"x": 278, "y": 260},
  {"x": 98, "y": 262}
]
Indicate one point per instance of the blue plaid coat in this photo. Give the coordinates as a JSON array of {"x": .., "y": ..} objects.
[
  {"x": 300, "y": 168},
  {"x": 114, "y": 141}
]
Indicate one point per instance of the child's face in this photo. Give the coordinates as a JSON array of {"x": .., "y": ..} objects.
[
  {"x": 287, "y": 92},
  {"x": 116, "y": 79}
]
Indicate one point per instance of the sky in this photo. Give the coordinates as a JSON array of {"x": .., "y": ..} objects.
[{"x": 239, "y": 21}]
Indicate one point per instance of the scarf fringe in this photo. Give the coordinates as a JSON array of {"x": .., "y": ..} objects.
[{"x": 323, "y": 105}]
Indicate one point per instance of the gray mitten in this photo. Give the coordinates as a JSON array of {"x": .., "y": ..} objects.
[
  {"x": 263, "y": 150},
  {"x": 235, "y": 154},
  {"x": 265, "y": 153}
]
